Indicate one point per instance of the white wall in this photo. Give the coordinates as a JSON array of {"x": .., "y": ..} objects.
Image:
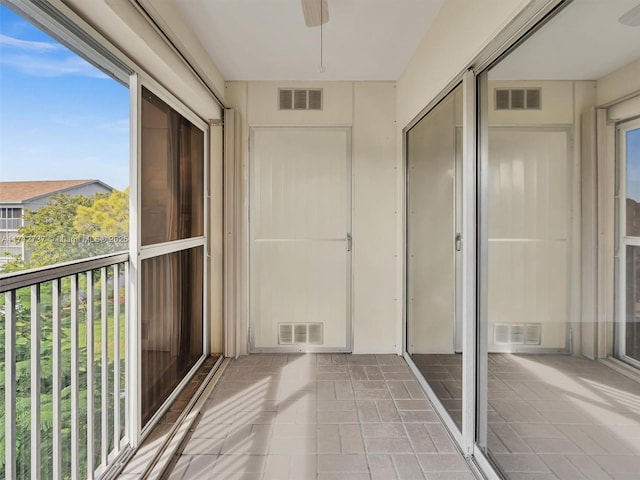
[
  {"x": 619, "y": 83},
  {"x": 375, "y": 216},
  {"x": 459, "y": 32},
  {"x": 369, "y": 109}
]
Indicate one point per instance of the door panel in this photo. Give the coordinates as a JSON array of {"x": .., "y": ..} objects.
[
  {"x": 171, "y": 250},
  {"x": 528, "y": 239},
  {"x": 299, "y": 250},
  {"x": 433, "y": 262}
]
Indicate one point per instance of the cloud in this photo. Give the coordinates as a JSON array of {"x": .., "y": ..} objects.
[
  {"x": 42, "y": 66},
  {"x": 7, "y": 41},
  {"x": 44, "y": 59}
]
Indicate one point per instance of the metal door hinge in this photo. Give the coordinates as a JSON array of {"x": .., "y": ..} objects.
[
  {"x": 458, "y": 242},
  {"x": 349, "y": 242}
]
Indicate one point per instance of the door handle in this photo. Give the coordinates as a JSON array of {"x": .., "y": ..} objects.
[{"x": 349, "y": 242}]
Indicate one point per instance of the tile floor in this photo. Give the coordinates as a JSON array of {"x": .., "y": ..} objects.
[
  {"x": 562, "y": 417},
  {"x": 552, "y": 417},
  {"x": 444, "y": 374},
  {"x": 319, "y": 416}
]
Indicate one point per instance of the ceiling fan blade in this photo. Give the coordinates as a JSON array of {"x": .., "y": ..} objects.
[
  {"x": 315, "y": 11},
  {"x": 631, "y": 18}
]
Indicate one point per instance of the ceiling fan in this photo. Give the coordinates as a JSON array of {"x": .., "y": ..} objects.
[{"x": 316, "y": 12}]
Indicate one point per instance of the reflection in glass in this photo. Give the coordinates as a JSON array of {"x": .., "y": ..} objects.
[
  {"x": 632, "y": 327},
  {"x": 172, "y": 314},
  {"x": 632, "y": 187},
  {"x": 172, "y": 174},
  {"x": 550, "y": 405},
  {"x": 433, "y": 336}
]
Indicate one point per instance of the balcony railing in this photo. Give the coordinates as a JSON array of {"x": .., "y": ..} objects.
[{"x": 63, "y": 395}]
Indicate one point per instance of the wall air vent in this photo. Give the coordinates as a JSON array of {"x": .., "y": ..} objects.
[
  {"x": 285, "y": 99},
  {"x": 534, "y": 99},
  {"x": 517, "y": 333},
  {"x": 532, "y": 333},
  {"x": 300, "y": 334},
  {"x": 518, "y": 99},
  {"x": 299, "y": 99},
  {"x": 296, "y": 99}
]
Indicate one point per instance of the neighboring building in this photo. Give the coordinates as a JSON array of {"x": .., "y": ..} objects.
[{"x": 16, "y": 197}]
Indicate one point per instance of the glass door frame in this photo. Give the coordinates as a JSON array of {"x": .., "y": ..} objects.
[
  {"x": 622, "y": 241},
  {"x": 472, "y": 299},
  {"x": 138, "y": 253},
  {"x": 464, "y": 264}
]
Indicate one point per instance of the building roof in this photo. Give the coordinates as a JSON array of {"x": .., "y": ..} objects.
[{"x": 18, "y": 192}]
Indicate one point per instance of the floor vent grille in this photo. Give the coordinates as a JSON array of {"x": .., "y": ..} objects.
[
  {"x": 300, "y": 334},
  {"x": 517, "y": 333}
]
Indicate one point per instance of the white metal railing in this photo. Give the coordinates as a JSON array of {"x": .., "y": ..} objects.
[{"x": 63, "y": 368}]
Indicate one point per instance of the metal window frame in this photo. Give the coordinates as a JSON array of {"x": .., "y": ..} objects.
[
  {"x": 60, "y": 22},
  {"x": 621, "y": 242},
  {"x": 138, "y": 253}
]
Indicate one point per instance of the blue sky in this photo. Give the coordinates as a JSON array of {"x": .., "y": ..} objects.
[{"x": 60, "y": 117}]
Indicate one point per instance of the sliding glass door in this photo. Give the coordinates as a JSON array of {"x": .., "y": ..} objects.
[
  {"x": 552, "y": 403},
  {"x": 628, "y": 324},
  {"x": 433, "y": 258},
  {"x": 172, "y": 248}
]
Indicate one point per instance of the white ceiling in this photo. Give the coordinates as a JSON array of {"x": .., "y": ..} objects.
[
  {"x": 585, "y": 41},
  {"x": 268, "y": 39}
]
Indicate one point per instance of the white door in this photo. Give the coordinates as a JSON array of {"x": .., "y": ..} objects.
[
  {"x": 529, "y": 227},
  {"x": 300, "y": 242}
]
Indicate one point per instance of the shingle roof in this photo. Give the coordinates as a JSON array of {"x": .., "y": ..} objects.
[{"x": 22, "y": 191}]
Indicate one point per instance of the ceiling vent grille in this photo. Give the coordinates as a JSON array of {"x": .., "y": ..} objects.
[
  {"x": 518, "y": 99},
  {"x": 517, "y": 333},
  {"x": 300, "y": 334},
  {"x": 296, "y": 99}
]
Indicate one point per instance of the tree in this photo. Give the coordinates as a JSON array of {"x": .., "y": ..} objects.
[
  {"x": 49, "y": 232},
  {"x": 107, "y": 217},
  {"x": 72, "y": 227}
]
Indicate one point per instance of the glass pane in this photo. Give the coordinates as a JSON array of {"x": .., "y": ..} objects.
[
  {"x": 632, "y": 327},
  {"x": 632, "y": 144},
  {"x": 65, "y": 195},
  {"x": 172, "y": 174},
  {"x": 434, "y": 338},
  {"x": 549, "y": 408},
  {"x": 172, "y": 299}
]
